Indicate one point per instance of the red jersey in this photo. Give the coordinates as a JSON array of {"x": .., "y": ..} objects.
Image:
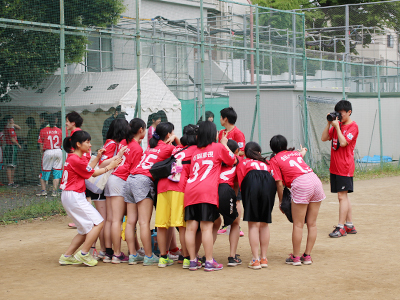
[
  {"x": 110, "y": 146},
  {"x": 151, "y": 156},
  {"x": 236, "y": 135},
  {"x": 9, "y": 133},
  {"x": 130, "y": 159},
  {"x": 50, "y": 137},
  {"x": 165, "y": 184},
  {"x": 72, "y": 131},
  {"x": 205, "y": 169},
  {"x": 342, "y": 159},
  {"x": 287, "y": 166},
  {"x": 75, "y": 173},
  {"x": 228, "y": 175},
  {"x": 246, "y": 165}
]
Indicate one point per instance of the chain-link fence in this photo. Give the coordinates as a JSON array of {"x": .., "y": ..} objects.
[{"x": 112, "y": 59}]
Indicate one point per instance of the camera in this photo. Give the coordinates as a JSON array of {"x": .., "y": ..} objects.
[{"x": 333, "y": 115}]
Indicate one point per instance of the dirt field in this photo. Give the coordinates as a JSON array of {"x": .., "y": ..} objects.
[{"x": 352, "y": 267}]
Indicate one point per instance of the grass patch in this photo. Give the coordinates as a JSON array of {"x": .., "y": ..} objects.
[
  {"x": 388, "y": 170},
  {"x": 373, "y": 171},
  {"x": 41, "y": 209}
]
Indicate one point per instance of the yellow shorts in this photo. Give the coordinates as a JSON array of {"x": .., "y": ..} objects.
[{"x": 170, "y": 211}]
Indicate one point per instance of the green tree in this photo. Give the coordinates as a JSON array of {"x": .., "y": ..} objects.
[
  {"x": 27, "y": 56},
  {"x": 377, "y": 15}
]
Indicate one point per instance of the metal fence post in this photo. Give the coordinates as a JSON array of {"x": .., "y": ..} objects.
[
  {"x": 380, "y": 113},
  {"x": 258, "y": 75},
  {"x": 62, "y": 75},
  {"x": 203, "y": 93},
  {"x": 305, "y": 89},
  {"x": 138, "y": 110}
]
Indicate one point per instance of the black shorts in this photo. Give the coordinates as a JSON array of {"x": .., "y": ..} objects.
[
  {"x": 227, "y": 203},
  {"x": 258, "y": 192},
  {"x": 95, "y": 196},
  {"x": 341, "y": 184},
  {"x": 201, "y": 212}
]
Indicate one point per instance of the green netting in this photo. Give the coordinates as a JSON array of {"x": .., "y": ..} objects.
[{"x": 263, "y": 62}]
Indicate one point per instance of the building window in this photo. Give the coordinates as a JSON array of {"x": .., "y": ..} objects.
[
  {"x": 99, "y": 56},
  {"x": 390, "y": 41}
]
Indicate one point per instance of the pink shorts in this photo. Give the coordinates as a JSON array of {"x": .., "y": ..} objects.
[{"x": 307, "y": 188}]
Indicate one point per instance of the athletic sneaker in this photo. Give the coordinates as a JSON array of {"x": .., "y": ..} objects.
[
  {"x": 203, "y": 260},
  {"x": 180, "y": 259},
  {"x": 222, "y": 230},
  {"x": 255, "y": 264},
  {"x": 141, "y": 252},
  {"x": 264, "y": 263},
  {"x": 150, "y": 261},
  {"x": 86, "y": 259},
  {"x": 234, "y": 261},
  {"x": 70, "y": 260},
  {"x": 42, "y": 193},
  {"x": 13, "y": 185},
  {"x": 54, "y": 194},
  {"x": 172, "y": 256},
  {"x": 338, "y": 232},
  {"x": 293, "y": 260},
  {"x": 93, "y": 252},
  {"x": 164, "y": 262},
  {"x": 213, "y": 266},
  {"x": 306, "y": 260},
  {"x": 135, "y": 259},
  {"x": 350, "y": 230},
  {"x": 176, "y": 253},
  {"x": 122, "y": 258},
  {"x": 193, "y": 265},
  {"x": 101, "y": 255},
  {"x": 186, "y": 263},
  {"x": 107, "y": 258}
]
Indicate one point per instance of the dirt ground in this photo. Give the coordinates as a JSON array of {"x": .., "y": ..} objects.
[{"x": 352, "y": 267}]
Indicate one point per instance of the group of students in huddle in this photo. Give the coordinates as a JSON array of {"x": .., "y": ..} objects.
[{"x": 212, "y": 169}]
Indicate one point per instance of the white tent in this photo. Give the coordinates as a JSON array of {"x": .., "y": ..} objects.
[{"x": 96, "y": 92}]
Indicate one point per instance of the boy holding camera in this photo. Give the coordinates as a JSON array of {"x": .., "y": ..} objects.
[{"x": 343, "y": 136}]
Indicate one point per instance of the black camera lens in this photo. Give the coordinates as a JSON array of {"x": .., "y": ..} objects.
[{"x": 333, "y": 115}]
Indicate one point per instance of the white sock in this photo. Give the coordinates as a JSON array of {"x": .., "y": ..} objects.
[
  {"x": 341, "y": 226},
  {"x": 349, "y": 224}
]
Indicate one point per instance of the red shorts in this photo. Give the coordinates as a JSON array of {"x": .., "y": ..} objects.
[{"x": 307, "y": 188}]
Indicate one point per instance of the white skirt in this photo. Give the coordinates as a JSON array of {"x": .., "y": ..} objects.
[{"x": 84, "y": 215}]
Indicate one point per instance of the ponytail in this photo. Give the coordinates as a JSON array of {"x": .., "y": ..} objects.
[
  {"x": 70, "y": 142},
  {"x": 253, "y": 151},
  {"x": 135, "y": 124},
  {"x": 161, "y": 133}
]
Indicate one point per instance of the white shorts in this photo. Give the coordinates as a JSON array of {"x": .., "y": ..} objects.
[
  {"x": 114, "y": 186},
  {"x": 83, "y": 214},
  {"x": 52, "y": 160}
]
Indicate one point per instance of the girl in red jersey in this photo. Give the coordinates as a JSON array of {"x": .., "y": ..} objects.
[
  {"x": 87, "y": 219},
  {"x": 115, "y": 134},
  {"x": 289, "y": 169},
  {"x": 139, "y": 190},
  {"x": 131, "y": 159},
  {"x": 227, "y": 205},
  {"x": 113, "y": 191},
  {"x": 201, "y": 193},
  {"x": 258, "y": 192},
  {"x": 170, "y": 211}
]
